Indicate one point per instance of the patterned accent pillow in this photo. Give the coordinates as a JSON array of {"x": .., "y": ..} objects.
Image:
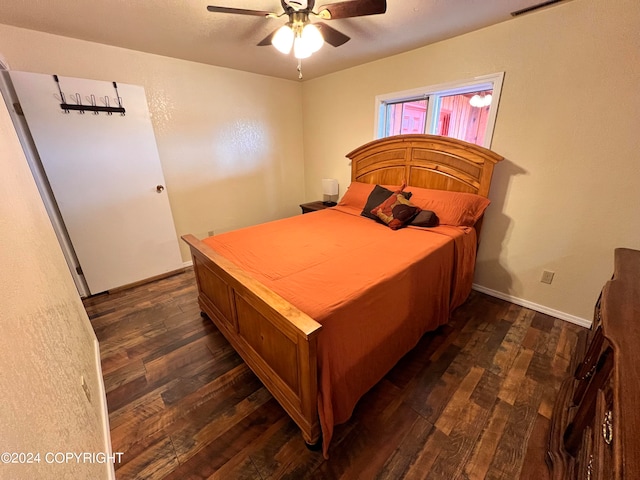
[
  {"x": 378, "y": 195},
  {"x": 396, "y": 211}
]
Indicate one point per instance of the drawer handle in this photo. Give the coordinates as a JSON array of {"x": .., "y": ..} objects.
[
  {"x": 607, "y": 427},
  {"x": 589, "y": 374}
]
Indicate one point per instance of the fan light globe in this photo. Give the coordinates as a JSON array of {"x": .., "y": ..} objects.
[
  {"x": 301, "y": 49},
  {"x": 283, "y": 39},
  {"x": 312, "y": 37}
]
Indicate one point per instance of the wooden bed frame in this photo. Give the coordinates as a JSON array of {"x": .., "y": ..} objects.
[{"x": 278, "y": 341}]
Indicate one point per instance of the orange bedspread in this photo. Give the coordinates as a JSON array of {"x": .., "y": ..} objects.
[{"x": 374, "y": 290}]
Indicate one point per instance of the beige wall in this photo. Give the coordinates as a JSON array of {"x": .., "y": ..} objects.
[
  {"x": 230, "y": 142},
  {"x": 569, "y": 191},
  {"x": 47, "y": 344}
]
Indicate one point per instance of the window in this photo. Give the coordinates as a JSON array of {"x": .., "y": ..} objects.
[{"x": 464, "y": 110}]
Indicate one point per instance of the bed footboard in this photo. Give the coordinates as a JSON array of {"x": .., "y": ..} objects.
[{"x": 276, "y": 340}]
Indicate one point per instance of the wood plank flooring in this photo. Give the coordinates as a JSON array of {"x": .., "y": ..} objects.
[{"x": 471, "y": 401}]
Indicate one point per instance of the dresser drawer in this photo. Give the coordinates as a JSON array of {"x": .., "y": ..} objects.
[
  {"x": 604, "y": 435},
  {"x": 584, "y": 463}
]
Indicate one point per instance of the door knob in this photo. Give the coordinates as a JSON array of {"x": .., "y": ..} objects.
[{"x": 159, "y": 188}]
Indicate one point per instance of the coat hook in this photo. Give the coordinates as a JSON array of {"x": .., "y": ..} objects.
[
  {"x": 77, "y": 104},
  {"x": 78, "y": 100},
  {"x": 92, "y": 101}
]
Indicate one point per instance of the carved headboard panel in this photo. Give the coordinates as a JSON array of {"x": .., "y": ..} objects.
[{"x": 426, "y": 161}]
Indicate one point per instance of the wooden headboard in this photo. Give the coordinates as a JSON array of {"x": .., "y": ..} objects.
[{"x": 427, "y": 161}]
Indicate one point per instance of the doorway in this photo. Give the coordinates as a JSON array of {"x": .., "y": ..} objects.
[
  {"x": 40, "y": 178},
  {"x": 99, "y": 176}
]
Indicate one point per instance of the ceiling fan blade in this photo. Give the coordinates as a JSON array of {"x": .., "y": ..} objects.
[
  {"x": 331, "y": 35},
  {"x": 267, "y": 40},
  {"x": 354, "y": 8},
  {"x": 240, "y": 11}
]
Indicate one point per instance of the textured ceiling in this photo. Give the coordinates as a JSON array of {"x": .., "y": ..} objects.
[{"x": 185, "y": 29}]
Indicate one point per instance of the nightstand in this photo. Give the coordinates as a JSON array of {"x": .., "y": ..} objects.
[{"x": 314, "y": 206}]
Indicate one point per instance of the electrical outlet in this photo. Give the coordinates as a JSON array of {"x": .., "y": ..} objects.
[
  {"x": 547, "y": 276},
  {"x": 85, "y": 387}
]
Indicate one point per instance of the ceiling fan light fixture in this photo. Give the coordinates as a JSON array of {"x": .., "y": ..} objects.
[
  {"x": 308, "y": 40},
  {"x": 301, "y": 49},
  {"x": 312, "y": 37},
  {"x": 299, "y": 34},
  {"x": 283, "y": 39}
]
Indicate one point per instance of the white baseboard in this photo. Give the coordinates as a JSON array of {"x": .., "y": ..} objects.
[
  {"x": 102, "y": 398},
  {"x": 534, "y": 306},
  {"x": 187, "y": 264}
]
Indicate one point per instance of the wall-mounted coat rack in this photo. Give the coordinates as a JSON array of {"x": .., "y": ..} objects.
[{"x": 92, "y": 106}]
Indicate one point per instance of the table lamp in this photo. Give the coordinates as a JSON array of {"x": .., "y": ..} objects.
[{"x": 329, "y": 191}]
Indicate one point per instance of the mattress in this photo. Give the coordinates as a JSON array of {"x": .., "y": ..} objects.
[{"x": 375, "y": 291}]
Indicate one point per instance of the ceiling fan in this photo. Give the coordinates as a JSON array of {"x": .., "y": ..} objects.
[{"x": 299, "y": 33}]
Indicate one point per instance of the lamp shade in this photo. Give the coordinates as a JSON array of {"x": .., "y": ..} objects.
[
  {"x": 329, "y": 186},
  {"x": 301, "y": 49},
  {"x": 303, "y": 37},
  {"x": 283, "y": 39},
  {"x": 312, "y": 36}
]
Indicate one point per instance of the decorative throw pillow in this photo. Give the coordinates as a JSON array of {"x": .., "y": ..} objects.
[
  {"x": 396, "y": 211},
  {"x": 378, "y": 195},
  {"x": 426, "y": 218}
]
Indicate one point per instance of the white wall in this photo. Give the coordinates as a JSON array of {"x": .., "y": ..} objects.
[
  {"x": 47, "y": 344},
  {"x": 230, "y": 142},
  {"x": 569, "y": 191}
]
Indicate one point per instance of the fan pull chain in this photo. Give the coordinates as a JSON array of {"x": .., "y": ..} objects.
[{"x": 300, "y": 69}]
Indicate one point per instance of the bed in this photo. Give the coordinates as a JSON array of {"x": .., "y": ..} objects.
[{"x": 320, "y": 306}]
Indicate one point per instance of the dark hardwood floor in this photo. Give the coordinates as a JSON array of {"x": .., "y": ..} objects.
[{"x": 471, "y": 401}]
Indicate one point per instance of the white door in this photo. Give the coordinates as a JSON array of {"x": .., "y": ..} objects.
[{"x": 105, "y": 174}]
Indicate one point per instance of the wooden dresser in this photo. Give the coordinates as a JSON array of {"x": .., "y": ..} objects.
[{"x": 595, "y": 428}]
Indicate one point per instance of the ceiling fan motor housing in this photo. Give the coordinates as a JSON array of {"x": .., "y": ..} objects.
[{"x": 297, "y": 4}]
